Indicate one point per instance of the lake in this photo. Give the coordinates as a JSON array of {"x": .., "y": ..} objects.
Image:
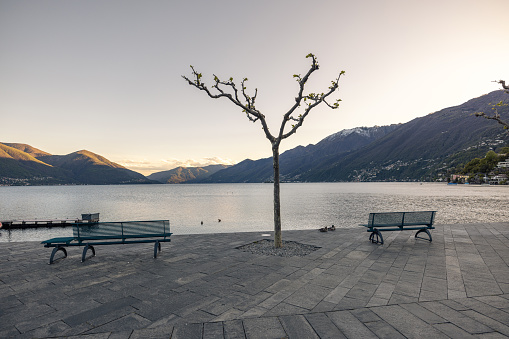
[{"x": 247, "y": 207}]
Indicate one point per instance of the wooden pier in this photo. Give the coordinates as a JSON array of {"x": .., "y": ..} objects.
[{"x": 27, "y": 223}]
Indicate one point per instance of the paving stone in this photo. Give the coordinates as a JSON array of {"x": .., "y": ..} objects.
[
  {"x": 491, "y": 323},
  {"x": 187, "y": 331},
  {"x": 257, "y": 311},
  {"x": 26, "y": 312},
  {"x": 264, "y": 328},
  {"x": 285, "y": 309},
  {"x": 233, "y": 329},
  {"x": 411, "y": 289},
  {"x": 491, "y": 335},
  {"x": 49, "y": 330},
  {"x": 406, "y": 323},
  {"x": 129, "y": 322},
  {"x": 434, "y": 284},
  {"x": 198, "y": 317},
  {"x": 324, "y": 326},
  {"x": 231, "y": 314},
  {"x": 296, "y": 326},
  {"x": 152, "y": 333},
  {"x": 323, "y": 306},
  {"x": 115, "y": 335},
  {"x": 326, "y": 280},
  {"x": 498, "y": 314},
  {"x": 213, "y": 330},
  {"x": 495, "y": 301},
  {"x": 423, "y": 313},
  {"x": 454, "y": 305},
  {"x": 453, "y": 294},
  {"x": 383, "y": 330},
  {"x": 402, "y": 299},
  {"x": 349, "y": 325},
  {"x": 308, "y": 296},
  {"x": 453, "y": 331},
  {"x": 365, "y": 315},
  {"x": 166, "y": 323},
  {"x": 336, "y": 294},
  {"x": 374, "y": 301},
  {"x": 9, "y": 332},
  {"x": 432, "y": 295},
  {"x": 457, "y": 318},
  {"x": 384, "y": 290},
  {"x": 100, "y": 311},
  {"x": 362, "y": 291},
  {"x": 350, "y": 303},
  {"x": 107, "y": 317}
]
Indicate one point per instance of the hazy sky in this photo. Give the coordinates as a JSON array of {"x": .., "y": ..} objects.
[{"x": 106, "y": 75}]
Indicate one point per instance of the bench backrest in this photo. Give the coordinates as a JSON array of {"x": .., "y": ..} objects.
[
  {"x": 401, "y": 218},
  {"x": 122, "y": 229}
]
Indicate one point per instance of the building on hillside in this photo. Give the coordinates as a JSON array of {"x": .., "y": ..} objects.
[
  {"x": 503, "y": 164},
  {"x": 498, "y": 179},
  {"x": 459, "y": 178}
]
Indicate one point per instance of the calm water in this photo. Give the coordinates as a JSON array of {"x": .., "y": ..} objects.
[{"x": 247, "y": 207}]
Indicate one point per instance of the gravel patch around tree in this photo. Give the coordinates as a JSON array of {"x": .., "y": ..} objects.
[{"x": 289, "y": 249}]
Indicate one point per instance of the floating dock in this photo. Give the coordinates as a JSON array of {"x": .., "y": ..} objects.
[{"x": 27, "y": 223}]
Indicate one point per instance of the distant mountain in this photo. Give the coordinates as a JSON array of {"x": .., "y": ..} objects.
[
  {"x": 27, "y": 149},
  {"x": 300, "y": 160},
  {"x": 17, "y": 167},
  {"x": 22, "y": 164},
  {"x": 185, "y": 174},
  {"x": 423, "y": 148},
  {"x": 91, "y": 168}
]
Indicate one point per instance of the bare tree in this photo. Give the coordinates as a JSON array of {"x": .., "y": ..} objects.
[
  {"x": 495, "y": 107},
  {"x": 238, "y": 95}
]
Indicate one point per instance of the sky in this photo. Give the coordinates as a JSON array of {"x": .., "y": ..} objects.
[{"x": 105, "y": 76}]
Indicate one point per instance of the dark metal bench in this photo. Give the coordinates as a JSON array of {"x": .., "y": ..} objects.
[
  {"x": 421, "y": 221},
  {"x": 112, "y": 233}
]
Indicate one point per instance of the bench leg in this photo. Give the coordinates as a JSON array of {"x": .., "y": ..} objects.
[
  {"x": 157, "y": 246},
  {"x": 55, "y": 250},
  {"x": 87, "y": 246},
  {"x": 424, "y": 230},
  {"x": 379, "y": 239}
]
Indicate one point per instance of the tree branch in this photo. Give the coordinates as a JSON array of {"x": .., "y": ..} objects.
[
  {"x": 314, "y": 100},
  {"x": 220, "y": 86},
  {"x": 496, "y": 115},
  {"x": 504, "y": 86}
]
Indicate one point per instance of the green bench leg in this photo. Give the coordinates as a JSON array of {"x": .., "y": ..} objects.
[
  {"x": 87, "y": 246},
  {"x": 157, "y": 246},
  {"x": 424, "y": 230},
  {"x": 379, "y": 239},
  {"x": 55, "y": 250}
]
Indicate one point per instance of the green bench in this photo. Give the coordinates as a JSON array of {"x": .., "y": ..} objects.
[
  {"x": 112, "y": 233},
  {"x": 421, "y": 221}
]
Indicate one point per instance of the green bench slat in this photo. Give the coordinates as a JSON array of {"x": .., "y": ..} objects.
[{"x": 65, "y": 240}]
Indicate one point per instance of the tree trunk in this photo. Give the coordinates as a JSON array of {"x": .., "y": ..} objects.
[{"x": 278, "y": 240}]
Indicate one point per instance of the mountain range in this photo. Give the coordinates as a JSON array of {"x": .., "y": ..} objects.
[
  {"x": 22, "y": 164},
  {"x": 185, "y": 174},
  {"x": 425, "y": 148}
]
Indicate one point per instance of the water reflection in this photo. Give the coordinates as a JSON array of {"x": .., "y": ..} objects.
[{"x": 247, "y": 207}]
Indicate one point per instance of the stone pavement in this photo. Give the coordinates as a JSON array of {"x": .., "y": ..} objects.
[{"x": 201, "y": 286}]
